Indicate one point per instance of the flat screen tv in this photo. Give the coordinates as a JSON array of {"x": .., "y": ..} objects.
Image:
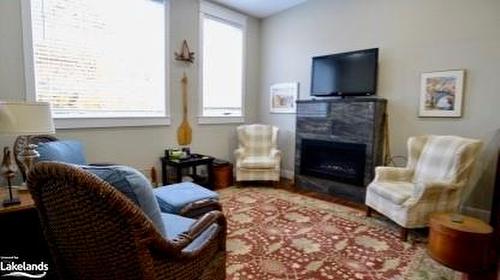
[{"x": 345, "y": 74}]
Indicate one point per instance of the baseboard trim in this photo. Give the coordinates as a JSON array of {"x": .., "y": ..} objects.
[
  {"x": 476, "y": 212},
  {"x": 288, "y": 174}
]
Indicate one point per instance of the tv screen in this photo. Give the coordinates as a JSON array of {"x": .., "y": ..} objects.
[{"x": 351, "y": 73}]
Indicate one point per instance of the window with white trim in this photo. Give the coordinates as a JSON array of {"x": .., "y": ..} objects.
[
  {"x": 222, "y": 75},
  {"x": 94, "y": 59}
]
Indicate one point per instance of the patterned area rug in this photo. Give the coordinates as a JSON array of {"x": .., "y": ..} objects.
[{"x": 276, "y": 234}]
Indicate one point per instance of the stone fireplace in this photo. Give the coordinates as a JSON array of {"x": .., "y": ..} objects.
[
  {"x": 338, "y": 161},
  {"x": 338, "y": 144}
]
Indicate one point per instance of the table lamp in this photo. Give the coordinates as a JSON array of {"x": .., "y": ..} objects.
[{"x": 25, "y": 119}]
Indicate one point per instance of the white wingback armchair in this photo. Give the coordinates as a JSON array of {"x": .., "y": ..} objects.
[
  {"x": 257, "y": 156},
  {"x": 437, "y": 172}
]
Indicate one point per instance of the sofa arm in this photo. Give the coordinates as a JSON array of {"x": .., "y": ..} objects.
[
  {"x": 190, "y": 210},
  {"x": 431, "y": 191},
  {"x": 201, "y": 225},
  {"x": 275, "y": 153},
  {"x": 97, "y": 164},
  {"x": 176, "y": 247},
  {"x": 386, "y": 173},
  {"x": 239, "y": 153}
]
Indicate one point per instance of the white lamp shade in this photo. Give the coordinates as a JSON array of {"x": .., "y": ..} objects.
[{"x": 26, "y": 118}]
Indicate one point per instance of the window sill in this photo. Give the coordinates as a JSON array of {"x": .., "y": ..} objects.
[
  {"x": 72, "y": 123},
  {"x": 220, "y": 120}
]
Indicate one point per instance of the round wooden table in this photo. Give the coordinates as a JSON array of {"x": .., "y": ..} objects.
[{"x": 461, "y": 243}]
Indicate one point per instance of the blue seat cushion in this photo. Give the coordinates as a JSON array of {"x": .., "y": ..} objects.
[
  {"x": 67, "y": 151},
  {"x": 134, "y": 185},
  {"x": 175, "y": 225},
  {"x": 173, "y": 198}
]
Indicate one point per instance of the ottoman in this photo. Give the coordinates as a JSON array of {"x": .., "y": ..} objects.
[{"x": 186, "y": 199}]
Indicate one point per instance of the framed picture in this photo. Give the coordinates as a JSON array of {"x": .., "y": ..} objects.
[
  {"x": 441, "y": 94},
  {"x": 283, "y": 97}
]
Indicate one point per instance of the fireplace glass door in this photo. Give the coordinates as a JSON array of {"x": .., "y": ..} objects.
[{"x": 338, "y": 161}]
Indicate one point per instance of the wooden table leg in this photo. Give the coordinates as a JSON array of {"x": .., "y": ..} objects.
[
  {"x": 164, "y": 177},
  {"x": 179, "y": 174},
  {"x": 404, "y": 234},
  {"x": 210, "y": 175}
]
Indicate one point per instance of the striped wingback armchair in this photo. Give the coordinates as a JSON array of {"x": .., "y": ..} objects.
[
  {"x": 436, "y": 174},
  {"x": 257, "y": 156}
]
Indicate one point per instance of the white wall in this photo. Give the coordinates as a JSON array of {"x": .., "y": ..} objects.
[
  {"x": 11, "y": 56},
  {"x": 413, "y": 37},
  {"x": 140, "y": 147}
]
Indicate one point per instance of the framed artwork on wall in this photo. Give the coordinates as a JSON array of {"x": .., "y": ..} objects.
[
  {"x": 283, "y": 97},
  {"x": 441, "y": 94}
]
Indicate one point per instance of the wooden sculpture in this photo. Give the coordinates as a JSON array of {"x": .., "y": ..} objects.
[
  {"x": 8, "y": 168},
  {"x": 185, "y": 55},
  {"x": 8, "y": 171},
  {"x": 184, "y": 133}
]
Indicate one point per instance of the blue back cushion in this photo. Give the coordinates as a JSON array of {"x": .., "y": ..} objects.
[
  {"x": 67, "y": 151},
  {"x": 135, "y": 186}
]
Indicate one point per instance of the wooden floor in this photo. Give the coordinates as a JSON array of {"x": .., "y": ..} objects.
[{"x": 289, "y": 185}]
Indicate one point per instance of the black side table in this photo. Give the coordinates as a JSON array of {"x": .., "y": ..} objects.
[{"x": 179, "y": 164}]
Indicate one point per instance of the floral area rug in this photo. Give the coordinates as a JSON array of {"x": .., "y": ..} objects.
[{"x": 276, "y": 234}]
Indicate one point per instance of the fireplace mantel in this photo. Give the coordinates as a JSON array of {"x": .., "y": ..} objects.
[{"x": 353, "y": 121}]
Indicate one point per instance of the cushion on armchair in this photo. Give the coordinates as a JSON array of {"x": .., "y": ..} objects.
[
  {"x": 258, "y": 162},
  {"x": 397, "y": 192},
  {"x": 135, "y": 186},
  {"x": 67, "y": 151}
]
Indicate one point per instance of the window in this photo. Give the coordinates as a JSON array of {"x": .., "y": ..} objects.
[
  {"x": 222, "y": 77},
  {"x": 99, "y": 63}
]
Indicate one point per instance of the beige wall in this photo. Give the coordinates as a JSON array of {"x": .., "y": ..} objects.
[
  {"x": 139, "y": 147},
  {"x": 413, "y": 37}
]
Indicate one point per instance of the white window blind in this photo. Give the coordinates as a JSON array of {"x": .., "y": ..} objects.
[
  {"x": 100, "y": 59},
  {"x": 223, "y": 67}
]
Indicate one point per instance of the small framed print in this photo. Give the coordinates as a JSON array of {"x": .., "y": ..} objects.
[
  {"x": 441, "y": 94},
  {"x": 283, "y": 98}
]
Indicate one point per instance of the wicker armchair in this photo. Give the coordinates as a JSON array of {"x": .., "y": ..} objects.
[{"x": 95, "y": 232}]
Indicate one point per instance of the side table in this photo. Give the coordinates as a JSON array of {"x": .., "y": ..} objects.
[
  {"x": 179, "y": 164},
  {"x": 22, "y": 234},
  {"x": 23, "y": 195},
  {"x": 461, "y": 243}
]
